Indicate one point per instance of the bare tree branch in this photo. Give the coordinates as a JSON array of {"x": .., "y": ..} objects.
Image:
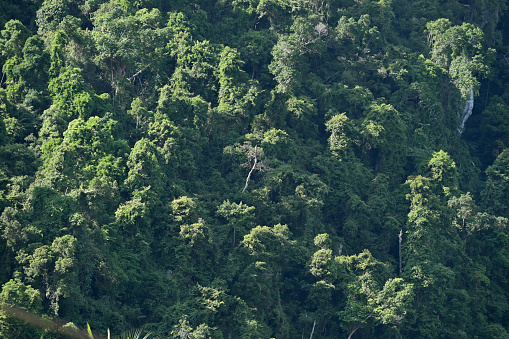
[
  {"x": 136, "y": 74},
  {"x": 252, "y": 169},
  {"x": 313, "y": 330}
]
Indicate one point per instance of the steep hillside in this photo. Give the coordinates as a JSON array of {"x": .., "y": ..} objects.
[{"x": 256, "y": 168}]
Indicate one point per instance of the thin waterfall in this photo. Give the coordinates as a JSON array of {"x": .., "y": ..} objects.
[{"x": 467, "y": 111}]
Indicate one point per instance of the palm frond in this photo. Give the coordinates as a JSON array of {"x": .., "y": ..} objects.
[
  {"x": 89, "y": 330},
  {"x": 133, "y": 334}
]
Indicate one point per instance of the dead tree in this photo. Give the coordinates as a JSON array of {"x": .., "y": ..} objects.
[{"x": 254, "y": 163}]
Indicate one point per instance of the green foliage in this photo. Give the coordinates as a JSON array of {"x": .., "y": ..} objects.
[
  {"x": 119, "y": 35},
  {"x": 184, "y": 330},
  {"x": 144, "y": 168},
  {"x": 50, "y": 14},
  {"x": 366, "y": 299},
  {"x": 459, "y": 50},
  {"x": 494, "y": 135},
  {"x": 341, "y": 133},
  {"x": 27, "y": 69},
  {"x": 88, "y": 150},
  {"x": 53, "y": 265},
  {"x": 495, "y": 193},
  {"x": 182, "y": 108},
  {"x": 15, "y": 293},
  {"x": 145, "y": 143},
  {"x": 71, "y": 95},
  {"x": 13, "y": 39},
  {"x": 240, "y": 218},
  {"x": 57, "y": 55},
  {"x": 385, "y": 135}
]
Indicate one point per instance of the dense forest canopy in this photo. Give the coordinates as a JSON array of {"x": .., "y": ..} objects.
[{"x": 256, "y": 168}]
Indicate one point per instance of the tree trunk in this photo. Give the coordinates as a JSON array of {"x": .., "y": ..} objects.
[
  {"x": 400, "y": 240},
  {"x": 351, "y": 333},
  {"x": 313, "y": 330}
]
